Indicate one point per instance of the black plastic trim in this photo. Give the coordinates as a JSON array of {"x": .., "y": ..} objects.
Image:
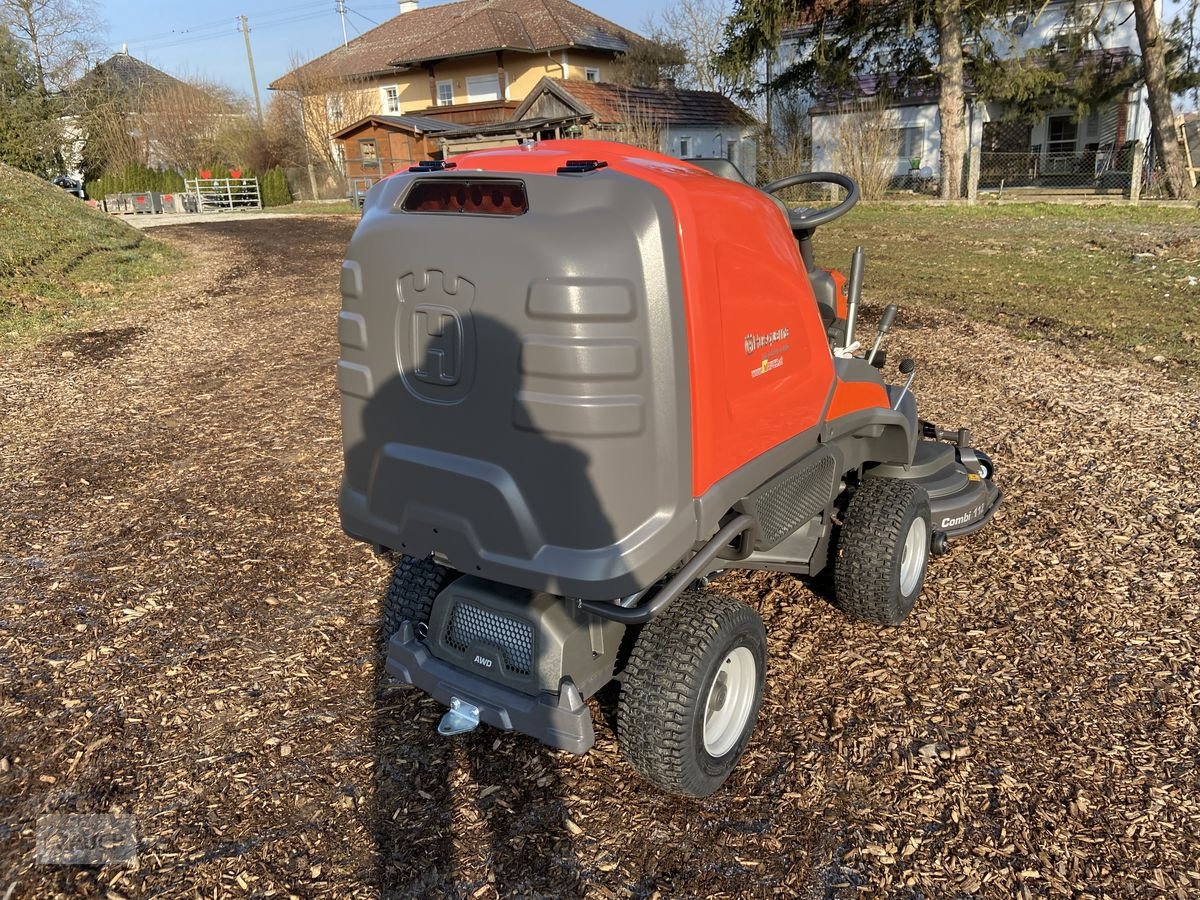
[
  {"x": 563, "y": 721},
  {"x": 680, "y": 581},
  {"x": 433, "y": 165},
  {"x": 581, "y": 166}
]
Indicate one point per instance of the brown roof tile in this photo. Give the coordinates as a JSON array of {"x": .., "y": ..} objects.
[
  {"x": 613, "y": 103},
  {"x": 465, "y": 28}
]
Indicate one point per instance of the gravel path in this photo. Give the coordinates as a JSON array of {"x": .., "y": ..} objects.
[{"x": 187, "y": 637}]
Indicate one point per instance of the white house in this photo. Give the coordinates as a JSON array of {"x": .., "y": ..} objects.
[{"x": 1058, "y": 145}]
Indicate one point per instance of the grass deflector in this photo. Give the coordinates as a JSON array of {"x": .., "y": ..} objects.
[{"x": 581, "y": 380}]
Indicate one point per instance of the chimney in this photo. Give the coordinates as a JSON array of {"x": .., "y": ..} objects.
[
  {"x": 125, "y": 49},
  {"x": 666, "y": 83},
  {"x": 408, "y": 6}
]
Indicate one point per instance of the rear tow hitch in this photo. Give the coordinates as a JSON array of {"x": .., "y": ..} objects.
[{"x": 460, "y": 718}]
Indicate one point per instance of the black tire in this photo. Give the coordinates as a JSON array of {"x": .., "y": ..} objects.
[
  {"x": 870, "y": 554},
  {"x": 670, "y": 674},
  {"x": 987, "y": 468},
  {"x": 415, "y": 585}
]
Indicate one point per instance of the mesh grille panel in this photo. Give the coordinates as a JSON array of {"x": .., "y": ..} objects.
[
  {"x": 786, "y": 506},
  {"x": 513, "y": 638}
]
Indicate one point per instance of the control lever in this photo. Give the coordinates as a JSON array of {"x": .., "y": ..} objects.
[
  {"x": 854, "y": 291},
  {"x": 885, "y": 323},
  {"x": 909, "y": 368}
]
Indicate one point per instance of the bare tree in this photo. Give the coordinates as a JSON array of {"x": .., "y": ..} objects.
[
  {"x": 105, "y": 125},
  {"x": 325, "y": 104},
  {"x": 866, "y": 143},
  {"x": 697, "y": 27},
  {"x": 639, "y": 127},
  {"x": 175, "y": 124},
  {"x": 185, "y": 125},
  {"x": 60, "y": 36}
]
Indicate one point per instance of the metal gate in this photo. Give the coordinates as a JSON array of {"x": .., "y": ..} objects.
[{"x": 212, "y": 194}]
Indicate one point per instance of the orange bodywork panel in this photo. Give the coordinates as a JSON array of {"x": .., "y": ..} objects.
[
  {"x": 852, "y": 396},
  {"x": 760, "y": 367},
  {"x": 839, "y": 285}
]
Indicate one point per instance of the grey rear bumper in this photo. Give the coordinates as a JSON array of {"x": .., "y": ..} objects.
[{"x": 562, "y": 721}]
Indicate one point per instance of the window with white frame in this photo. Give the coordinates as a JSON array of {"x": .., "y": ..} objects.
[
  {"x": 481, "y": 88},
  {"x": 591, "y": 74},
  {"x": 910, "y": 141},
  {"x": 445, "y": 93},
  {"x": 1060, "y": 136},
  {"x": 391, "y": 99}
]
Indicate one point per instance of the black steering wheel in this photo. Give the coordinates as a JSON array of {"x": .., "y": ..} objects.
[{"x": 805, "y": 219}]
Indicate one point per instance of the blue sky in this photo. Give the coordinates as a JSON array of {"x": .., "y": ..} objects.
[{"x": 203, "y": 39}]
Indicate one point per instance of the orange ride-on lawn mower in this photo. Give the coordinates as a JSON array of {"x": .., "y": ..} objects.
[{"x": 578, "y": 380}]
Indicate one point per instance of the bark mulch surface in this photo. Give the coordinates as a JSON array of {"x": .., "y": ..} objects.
[{"x": 187, "y": 637}]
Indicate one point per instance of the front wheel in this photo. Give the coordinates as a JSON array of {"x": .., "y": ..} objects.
[
  {"x": 691, "y": 693},
  {"x": 883, "y": 551}
]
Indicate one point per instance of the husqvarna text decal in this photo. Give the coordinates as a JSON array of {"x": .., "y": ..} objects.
[{"x": 773, "y": 357}]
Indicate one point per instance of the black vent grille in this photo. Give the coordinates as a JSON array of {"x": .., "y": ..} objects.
[
  {"x": 512, "y": 637},
  {"x": 791, "y": 501}
]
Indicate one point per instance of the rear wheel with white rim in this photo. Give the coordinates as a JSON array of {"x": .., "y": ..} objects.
[
  {"x": 691, "y": 692},
  {"x": 883, "y": 551}
]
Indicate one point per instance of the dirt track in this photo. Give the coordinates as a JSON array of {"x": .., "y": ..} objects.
[{"x": 186, "y": 636}]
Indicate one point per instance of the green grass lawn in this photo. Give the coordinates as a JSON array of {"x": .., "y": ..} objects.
[
  {"x": 1109, "y": 275},
  {"x": 63, "y": 264}
]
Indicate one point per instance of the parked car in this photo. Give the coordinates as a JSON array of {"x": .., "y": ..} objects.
[{"x": 69, "y": 184}]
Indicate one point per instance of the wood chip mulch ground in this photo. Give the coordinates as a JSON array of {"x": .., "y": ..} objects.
[{"x": 187, "y": 637}]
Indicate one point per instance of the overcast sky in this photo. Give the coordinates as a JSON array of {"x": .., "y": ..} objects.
[{"x": 203, "y": 38}]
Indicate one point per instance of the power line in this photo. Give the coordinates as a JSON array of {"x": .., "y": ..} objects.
[
  {"x": 209, "y": 26},
  {"x": 361, "y": 16},
  {"x": 225, "y": 31}
]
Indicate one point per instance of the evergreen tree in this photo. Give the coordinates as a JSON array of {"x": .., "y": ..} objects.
[{"x": 30, "y": 132}]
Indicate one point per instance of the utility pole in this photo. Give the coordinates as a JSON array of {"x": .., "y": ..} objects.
[
  {"x": 341, "y": 10},
  {"x": 250, "y": 59}
]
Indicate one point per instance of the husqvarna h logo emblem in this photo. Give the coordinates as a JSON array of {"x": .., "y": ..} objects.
[
  {"x": 437, "y": 344},
  {"x": 435, "y": 334}
]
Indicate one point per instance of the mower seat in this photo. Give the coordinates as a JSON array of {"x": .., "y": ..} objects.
[{"x": 723, "y": 168}]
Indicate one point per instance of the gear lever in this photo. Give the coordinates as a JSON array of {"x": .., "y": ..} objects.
[
  {"x": 885, "y": 323},
  {"x": 909, "y": 368}
]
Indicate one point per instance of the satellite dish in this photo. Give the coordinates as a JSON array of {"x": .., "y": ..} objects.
[{"x": 927, "y": 172}]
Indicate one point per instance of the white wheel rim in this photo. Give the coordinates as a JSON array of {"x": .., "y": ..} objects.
[
  {"x": 729, "y": 702},
  {"x": 912, "y": 555}
]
